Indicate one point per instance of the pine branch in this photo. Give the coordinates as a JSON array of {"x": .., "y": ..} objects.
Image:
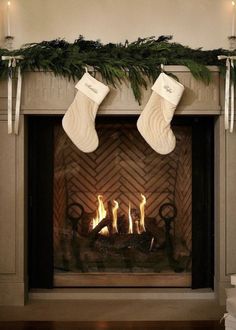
[{"x": 138, "y": 61}]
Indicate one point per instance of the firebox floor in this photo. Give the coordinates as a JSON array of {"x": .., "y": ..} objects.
[{"x": 113, "y": 310}]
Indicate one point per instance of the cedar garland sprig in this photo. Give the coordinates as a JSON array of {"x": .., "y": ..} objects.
[{"x": 137, "y": 62}]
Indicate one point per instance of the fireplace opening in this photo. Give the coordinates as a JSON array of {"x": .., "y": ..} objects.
[{"x": 123, "y": 215}]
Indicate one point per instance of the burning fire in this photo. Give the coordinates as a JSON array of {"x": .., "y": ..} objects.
[
  {"x": 102, "y": 213},
  {"x": 114, "y": 220},
  {"x": 142, "y": 213},
  {"x": 130, "y": 221}
]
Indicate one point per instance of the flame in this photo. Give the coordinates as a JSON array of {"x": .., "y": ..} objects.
[
  {"x": 114, "y": 220},
  {"x": 101, "y": 214},
  {"x": 233, "y": 3},
  {"x": 130, "y": 221},
  {"x": 142, "y": 213},
  {"x": 135, "y": 225},
  {"x": 101, "y": 209},
  {"x": 95, "y": 221}
]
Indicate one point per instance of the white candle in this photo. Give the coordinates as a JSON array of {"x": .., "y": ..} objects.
[
  {"x": 233, "y": 18},
  {"x": 8, "y": 18}
]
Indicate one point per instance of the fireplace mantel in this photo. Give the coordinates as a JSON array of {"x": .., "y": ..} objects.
[{"x": 45, "y": 94}]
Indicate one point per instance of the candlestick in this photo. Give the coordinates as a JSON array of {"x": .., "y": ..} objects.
[
  {"x": 8, "y": 18},
  {"x": 233, "y": 19}
]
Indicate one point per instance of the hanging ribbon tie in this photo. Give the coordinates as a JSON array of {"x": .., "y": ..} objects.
[
  {"x": 229, "y": 92},
  {"x": 12, "y": 63}
]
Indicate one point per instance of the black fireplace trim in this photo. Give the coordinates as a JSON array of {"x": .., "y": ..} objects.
[
  {"x": 40, "y": 212},
  {"x": 203, "y": 206}
]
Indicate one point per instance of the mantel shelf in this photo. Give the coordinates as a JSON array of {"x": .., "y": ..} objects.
[{"x": 44, "y": 93}]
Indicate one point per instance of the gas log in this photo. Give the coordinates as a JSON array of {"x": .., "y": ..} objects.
[{"x": 103, "y": 239}]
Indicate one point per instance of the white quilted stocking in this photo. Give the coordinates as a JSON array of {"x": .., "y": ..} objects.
[
  {"x": 154, "y": 121},
  {"x": 79, "y": 120}
]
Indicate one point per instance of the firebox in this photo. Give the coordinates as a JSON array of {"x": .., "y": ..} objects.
[{"x": 122, "y": 215}]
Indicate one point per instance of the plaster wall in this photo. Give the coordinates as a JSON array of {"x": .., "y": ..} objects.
[{"x": 197, "y": 23}]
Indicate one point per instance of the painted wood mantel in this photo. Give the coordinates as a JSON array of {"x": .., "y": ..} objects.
[{"x": 45, "y": 94}]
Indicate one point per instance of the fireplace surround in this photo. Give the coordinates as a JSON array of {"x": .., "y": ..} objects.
[{"x": 45, "y": 94}]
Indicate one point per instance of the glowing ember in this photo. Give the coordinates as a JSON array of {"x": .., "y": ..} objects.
[
  {"x": 114, "y": 220},
  {"x": 130, "y": 221},
  {"x": 142, "y": 214}
]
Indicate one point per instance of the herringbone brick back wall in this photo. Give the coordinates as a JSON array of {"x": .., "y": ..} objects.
[{"x": 123, "y": 167}]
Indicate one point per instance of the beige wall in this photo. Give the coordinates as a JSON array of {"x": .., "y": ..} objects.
[
  {"x": 197, "y": 23},
  {"x": 1, "y": 20}
]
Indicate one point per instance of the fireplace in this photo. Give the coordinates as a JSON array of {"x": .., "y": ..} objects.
[
  {"x": 122, "y": 215},
  {"x": 43, "y": 94}
]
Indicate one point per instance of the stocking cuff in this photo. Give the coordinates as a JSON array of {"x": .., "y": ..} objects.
[
  {"x": 92, "y": 88},
  {"x": 169, "y": 88}
]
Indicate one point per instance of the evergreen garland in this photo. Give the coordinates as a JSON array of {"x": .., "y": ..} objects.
[{"x": 135, "y": 61}]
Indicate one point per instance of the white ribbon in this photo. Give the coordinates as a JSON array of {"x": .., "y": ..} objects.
[
  {"x": 12, "y": 63},
  {"x": 229, "y": 92},
  {"x": 224, "y": 317},
  {"x": 231, "y": 128},
  {"x": 9, "y": 102}
]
